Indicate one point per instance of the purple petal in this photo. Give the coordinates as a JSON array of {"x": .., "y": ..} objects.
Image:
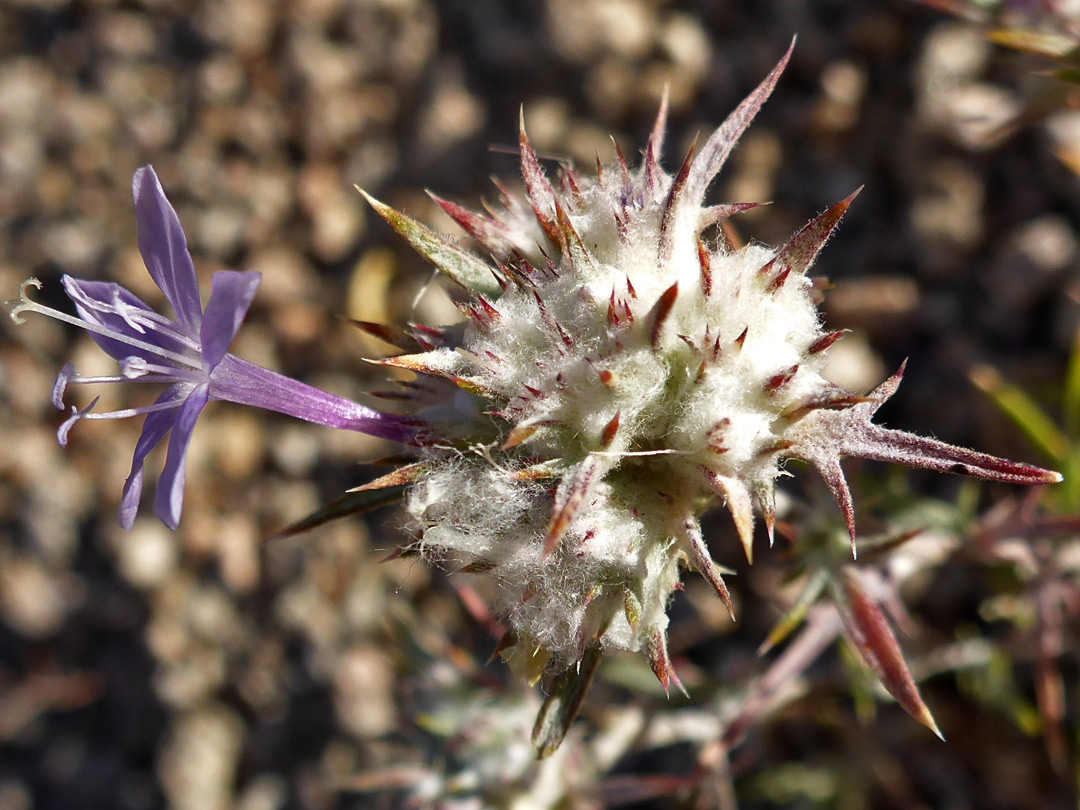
[
  {"x": 169, "y": 498},
  {"x": 245, "y": 383},
  {"x": 231, "y": 294},
  {"x": 103, "y": 303},
  {"x": 164, "y": 248},
  {"x": 155, "y": 426}
]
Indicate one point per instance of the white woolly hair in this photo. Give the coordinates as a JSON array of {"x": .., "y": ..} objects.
[{"x": 622, "y": 366}]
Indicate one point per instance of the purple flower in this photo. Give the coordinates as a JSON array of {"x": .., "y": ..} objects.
[{"x": 188, "y": 353}]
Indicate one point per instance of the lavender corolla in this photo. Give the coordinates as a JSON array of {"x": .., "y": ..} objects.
[{"x": 188, "y": 353}]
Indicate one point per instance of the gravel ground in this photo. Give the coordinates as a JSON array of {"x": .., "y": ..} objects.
[{"x": 210, "y": 669}]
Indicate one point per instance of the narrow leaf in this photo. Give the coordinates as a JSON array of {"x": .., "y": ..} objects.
[
  {"x": 611, "y": 430},
  {"x": 737, "y": 498},
  {"x": 656, "y": 143},
  {"x": 670, "y": 217},
  {"x": 824, "y": 436},
  {"x": 575, "y": 247},
  {"x": 1023, "y": 412},
  {"x": 1071, "y": 396},
  {"x": 568, "y": 500},
  {"x": 829, "y": 398},
  {"x": 705, "y": 265},
  {"x": 897, "y": 446},
  {"x": 399, "y": 477},
  {"x": 656, "y": 651},
  {"x": 537, "y": 187},
  {"x": 715, "y": 213},
  {"x": 659, "y": 313},
  {"x": 766, "y": 498},
  {"x": 826, "y": 340},
  {"x": 438, "y": 363},
  {"x": 563, "y": 702},
  {"x": 833, "y": 475},
  {"x": 794, "y": 615},
  {"x": 694, "y": 543},
  {"x": 489, "y": 233},
  {"x": 465, "y": 269},
  {"x": 394, "y": 335},
  {"x": 716, "y": 150},
  {"x": 351, "y": 503},
  {"x": 1052, "y": 46},
  {"x": 799, "y": 253},
  {"x": 867, "y": 629}
]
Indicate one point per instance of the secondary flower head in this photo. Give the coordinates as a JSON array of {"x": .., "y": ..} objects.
[
  {"x": 625, "y": 368},
  {"x": 188, "y": 353}
]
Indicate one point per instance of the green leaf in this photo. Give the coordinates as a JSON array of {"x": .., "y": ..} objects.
[
  {"x": 351, "y": 503},
  {"x": 461, "y": 266},
  {"x": 1070, "y": 399},
  {"x": 794, "y": 615},
  {"x": 1066, "y": 498},
  {"x": 1052, "y": 46},
  {"x": 1024, "y": 412},
  {"x": 562, "y": 705},
  {"x": 1070, "y": 75}
]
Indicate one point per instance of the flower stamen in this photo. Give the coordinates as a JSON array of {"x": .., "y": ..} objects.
[{"x": 26, "y": 304}]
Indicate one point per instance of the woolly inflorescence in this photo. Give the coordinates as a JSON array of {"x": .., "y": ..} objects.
[{"x": 620, "y": 369}]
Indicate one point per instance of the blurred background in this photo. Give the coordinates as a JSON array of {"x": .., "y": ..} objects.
[{"x": 212, "y": 669}]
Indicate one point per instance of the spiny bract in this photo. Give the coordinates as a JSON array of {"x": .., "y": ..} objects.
[{"x": 618, "y": 371}]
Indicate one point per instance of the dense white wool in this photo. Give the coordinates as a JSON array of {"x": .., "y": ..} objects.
[
  {"x": 623, "y": 368},
  {"x": 652, "y": 407},
  {"x": 654, "y": 388},
  {"x": 631, "y": 366},
  {"x": 474, "y": 514}
]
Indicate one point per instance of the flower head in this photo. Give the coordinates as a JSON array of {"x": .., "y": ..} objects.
[
  {"x": 188, "y": 353},
  {"x": 625, "y": 369}
]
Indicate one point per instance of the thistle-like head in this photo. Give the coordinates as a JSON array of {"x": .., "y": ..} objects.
[{"x": 620, "y": 369}]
